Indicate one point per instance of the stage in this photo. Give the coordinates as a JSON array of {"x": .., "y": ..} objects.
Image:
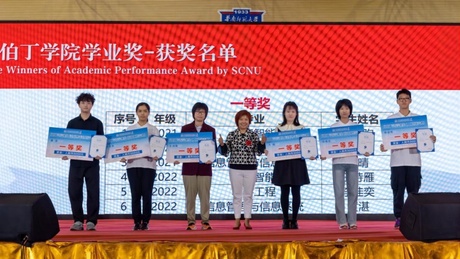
[{"x": 115, "y": 238}]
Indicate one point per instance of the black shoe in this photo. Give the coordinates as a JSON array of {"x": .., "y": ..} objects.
[
  {"x": 137, "y": 226},
  {"x": 286, "y": 224},
  {"x": 397, "y": 222},
  {"x": 294, "y": 224},
  {"x": 145, "y": 226}
]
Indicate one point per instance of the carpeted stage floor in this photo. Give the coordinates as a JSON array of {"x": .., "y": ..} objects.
[
  {"x": 263, "y": 231},
  {"x": 168, "y": 239}
]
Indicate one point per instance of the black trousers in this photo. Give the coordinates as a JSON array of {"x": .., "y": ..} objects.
[
  {"x": 90, "y": 175},
  {"x": 402, "y": 178},
  {"x": 141, "y": 183},
  {"x": 295, "y": 190}
]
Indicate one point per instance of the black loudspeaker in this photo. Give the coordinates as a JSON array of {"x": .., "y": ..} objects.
[
  {"x": 431, "y": 217},
  {"x": 27, "y": 218}
]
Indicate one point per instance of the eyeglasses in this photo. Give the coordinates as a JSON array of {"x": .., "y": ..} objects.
[{"x": 404, "y": 99}]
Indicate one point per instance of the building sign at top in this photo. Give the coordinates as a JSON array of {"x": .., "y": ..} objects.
[{"x": 241, "y": 15}]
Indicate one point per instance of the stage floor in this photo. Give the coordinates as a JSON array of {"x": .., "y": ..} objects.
[
  {"x": 120, "y": 230},
  {"x": 166, "y": 239}
]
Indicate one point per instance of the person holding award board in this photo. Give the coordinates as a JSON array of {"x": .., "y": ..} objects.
[
  {"x": 405, "y": 163},
  {"x": 141, "y": 173},
  {"x": 345, "y": 167},
  {"x": 242, "y": 145},
  {"x": 197, "y": 176},
  {"x": 87, "y": 171},
  {"x": 290, "y": 174}
]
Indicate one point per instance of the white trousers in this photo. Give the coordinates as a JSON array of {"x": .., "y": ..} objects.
[{"x": 243, "y": 182}]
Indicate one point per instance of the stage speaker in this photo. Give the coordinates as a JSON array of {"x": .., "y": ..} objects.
[
  {"x": 431, "y": 217},
  {"x": 27, "y": 218}
]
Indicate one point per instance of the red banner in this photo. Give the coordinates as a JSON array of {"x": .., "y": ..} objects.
[{"x": 222, "y": 56}]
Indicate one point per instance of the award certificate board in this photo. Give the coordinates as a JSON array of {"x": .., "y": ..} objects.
[
  {"x": 98, "y": 146},
  {"x": 72, "y": 143},
  {"x": 366, "y": 142},
  {"x": 207, "y": 149},
  {"x": 424, "y": 142},
  {"x": 183, "y": 147},
  {"x": 157, "y": 146},
  {"x": 339, "y": 141},
  {"x": 127, "y": 144},
  {"x": 309, "y": 147},
  {"x": 285, "y": 145},
  {"x": 398, "y": 133}
]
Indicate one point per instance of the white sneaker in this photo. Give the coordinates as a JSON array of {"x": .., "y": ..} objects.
[
  {"x": 343, "y": 226},
  {"x": 90, "y": 226},
  {"x": 77, "y": 226}
]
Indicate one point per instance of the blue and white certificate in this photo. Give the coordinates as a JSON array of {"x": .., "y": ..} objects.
[
  {"x": 308, "y": 147},
  {"x": 400, "y": 133},
  {"x": 98, "y": 146},
  {"x": 366, "y": 142},
  {"x": 127, "y": 144},
  {"x": 339, "y": 141},
  {"x": 183, "y": 147},
  {"x": 72, "y": 143},
  {"x": 285, "y": 145},
  {"x": 424, "y": 142},
  {"x": 157, "y": 146},
  {"x": 207, "y": 151}
]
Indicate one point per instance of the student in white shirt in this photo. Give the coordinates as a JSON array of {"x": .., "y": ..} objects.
[
  {"x": 345, "y": 167},
  {"x": 141, "y": 174},
  {"x": 405, "y": 163}
]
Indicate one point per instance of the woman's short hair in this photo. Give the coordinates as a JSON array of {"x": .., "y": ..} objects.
[
  {"x": 242, "y": 113},
  {"x": 341, "y": 103},
  {"x": 199, "y": 106}
]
